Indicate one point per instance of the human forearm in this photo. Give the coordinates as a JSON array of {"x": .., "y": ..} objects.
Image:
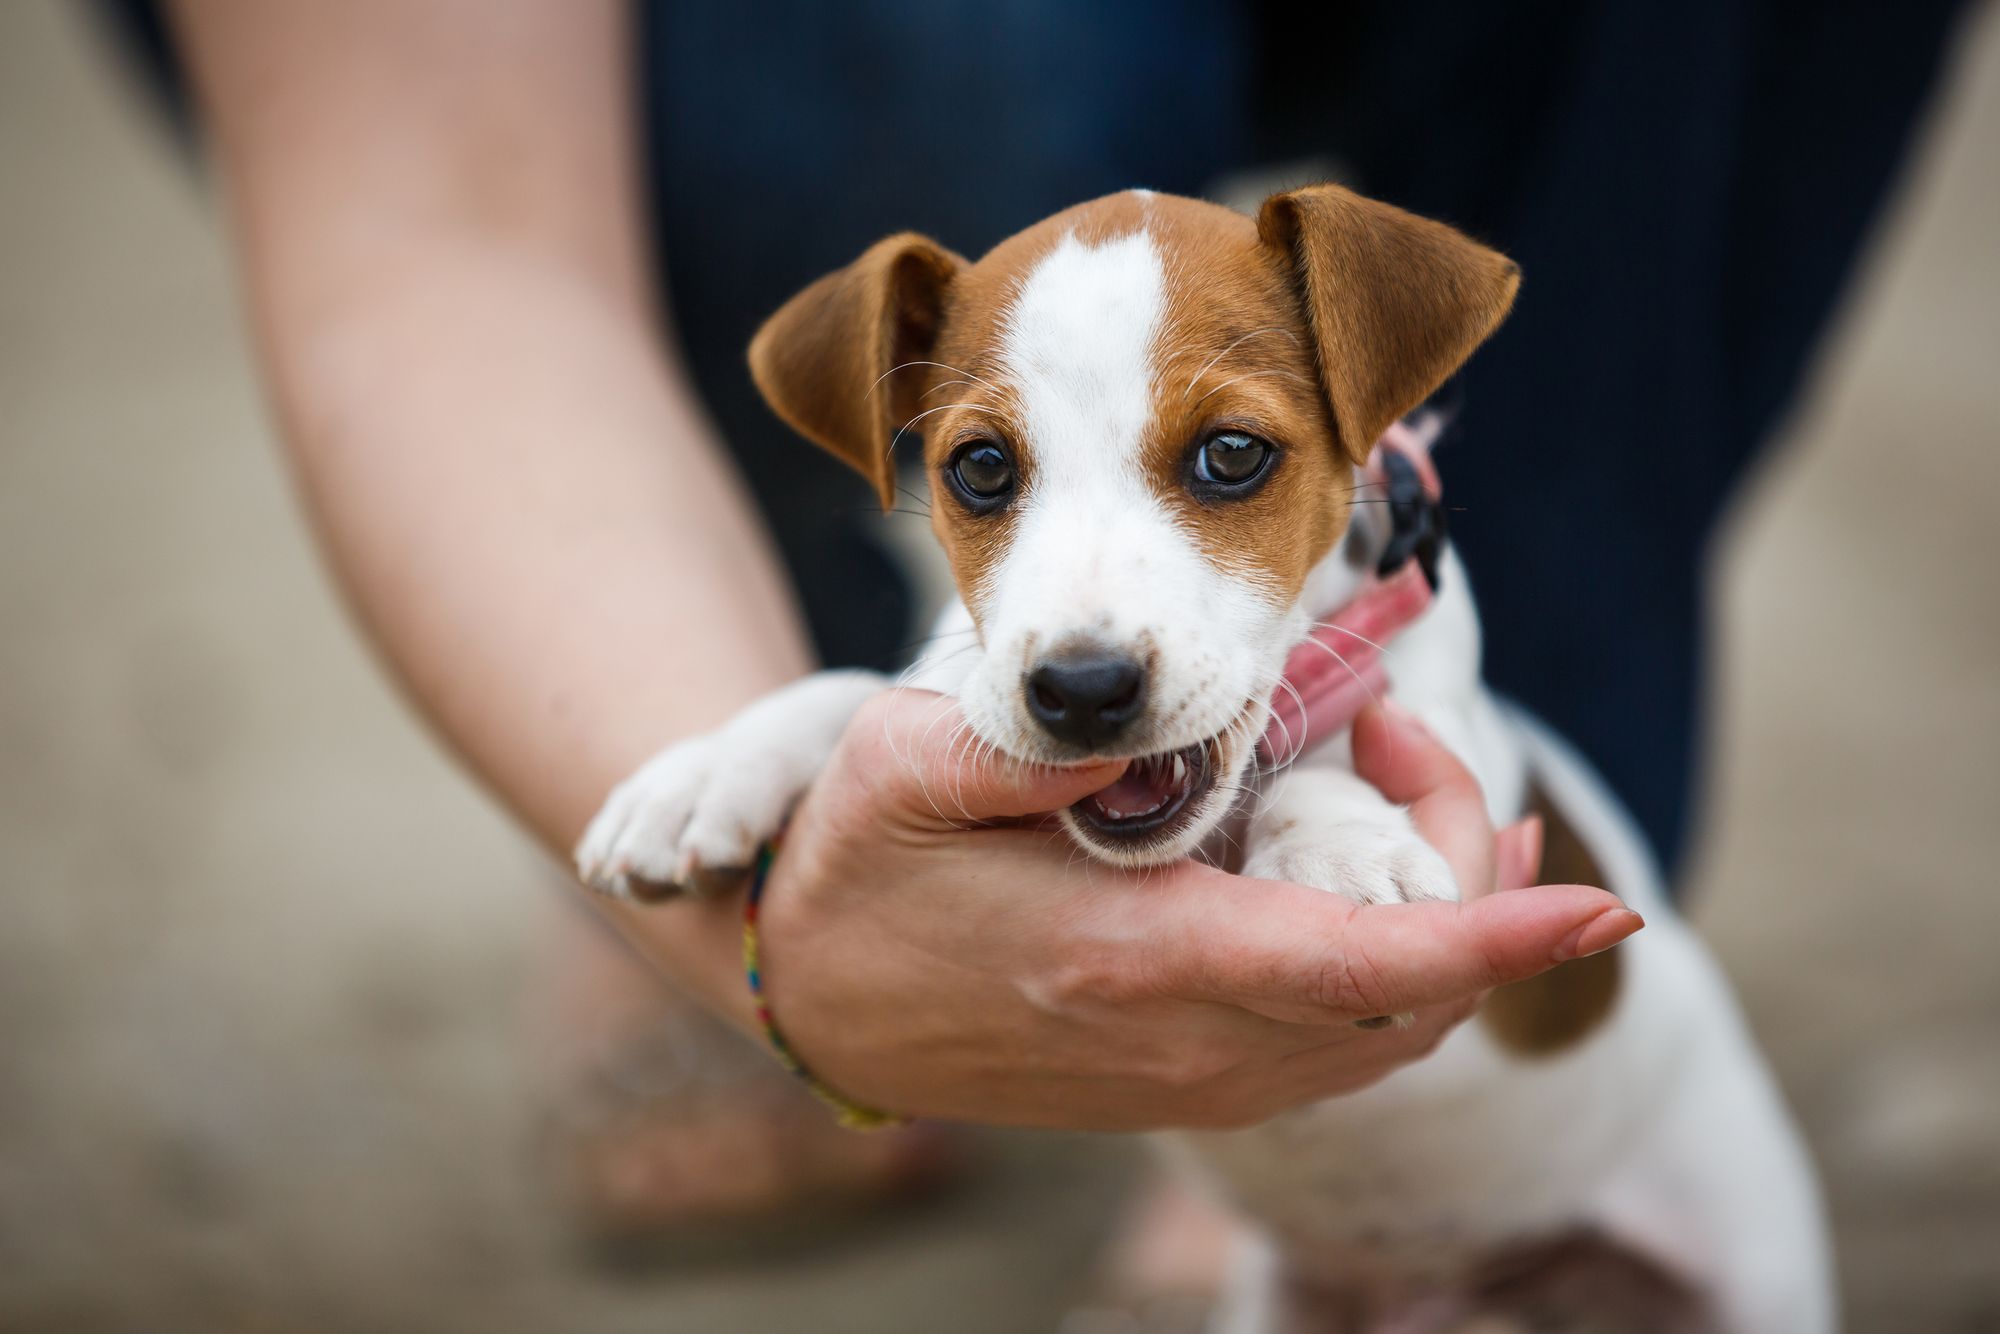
[
  {"x": 525, "y": 508},
  {"x": 434, "y": 214},
  {"x": 436, "y": 218},
  {"x": 530, "y": 520}
]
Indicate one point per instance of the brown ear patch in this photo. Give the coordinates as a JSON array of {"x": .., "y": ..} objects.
[
  {"x": 1558, "y": 1009},
  {"x": 1396, "y": 302},
  {"x": 844, "y": 361}
]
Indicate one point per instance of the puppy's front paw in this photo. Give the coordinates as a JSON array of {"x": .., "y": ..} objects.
[
  {"x": 643, "y": 842},
  {"x": 695, "y": 811},
  {"x": 1379, "y": 859}
]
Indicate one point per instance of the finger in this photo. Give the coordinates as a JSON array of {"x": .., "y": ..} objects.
[
  {"x": 1517, "y": 854},
  {"x": 1353, "y": 1058},
  {"x": 1382, "y": 614},
  {"x": 1333, "y": 704},
  {"x": 919, "y": 750},
  {"x": 1338, "y": 671},
  {"x": 1304, "y": 956},
  {"x": 1347, "y": 1060},
  {"x": 1412, "y": 768},
  {"x": 1401, "y": 957}
]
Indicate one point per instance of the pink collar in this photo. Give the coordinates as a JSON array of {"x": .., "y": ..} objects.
[{"x": 1337, "y": 669}]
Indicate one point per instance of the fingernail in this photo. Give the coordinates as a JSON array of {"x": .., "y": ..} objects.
[{"x": 1599, "y": 934}]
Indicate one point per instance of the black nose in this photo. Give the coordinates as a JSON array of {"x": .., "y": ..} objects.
[{"x": 1086, "y": 698}]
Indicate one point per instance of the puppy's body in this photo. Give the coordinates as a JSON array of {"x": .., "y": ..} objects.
[
  {"x": 1087, "y": 396},
  {"x": 1660, "y": 1128}
]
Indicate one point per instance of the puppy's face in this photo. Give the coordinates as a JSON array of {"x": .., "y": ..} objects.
[
  {"x": 1132, "y": 468},
  {"x": 1136, "y": 451}
]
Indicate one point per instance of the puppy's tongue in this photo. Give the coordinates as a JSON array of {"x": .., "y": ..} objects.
[{"x": 1144, "y": 787}]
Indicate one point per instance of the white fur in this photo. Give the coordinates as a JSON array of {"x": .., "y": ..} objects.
[
  {"x": 1095, "y": 557},
  {"x": 1662, "y": 1127},
  {"x": 1324, "y": 827},
  {"x": 708, "y": 802}
]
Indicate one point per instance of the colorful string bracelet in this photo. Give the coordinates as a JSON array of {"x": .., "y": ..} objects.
[{"x": 848, "y": 1112}]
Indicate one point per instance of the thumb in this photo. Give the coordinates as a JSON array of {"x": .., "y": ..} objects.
[
  {"x": 921, "y": 753},
  {"x": 1305, "y": 956}
]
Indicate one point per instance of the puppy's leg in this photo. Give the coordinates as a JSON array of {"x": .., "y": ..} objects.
[
  {"x": 1248, "y": 1303},
  {"x": 1718, "y": 1184},
  {"x": 1326, "y": 828},
  {"x": 705, "y": 804}
]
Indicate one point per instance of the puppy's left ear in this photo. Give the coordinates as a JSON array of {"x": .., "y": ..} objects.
[
  {"x": 1396, "y": 302},
  {"x": 831, "y": 361}
]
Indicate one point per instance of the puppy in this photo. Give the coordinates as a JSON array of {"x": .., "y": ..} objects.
[{"x": 1145, "y": 423}]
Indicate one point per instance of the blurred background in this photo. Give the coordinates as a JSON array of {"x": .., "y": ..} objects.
[{"x": 264, "y": 955}]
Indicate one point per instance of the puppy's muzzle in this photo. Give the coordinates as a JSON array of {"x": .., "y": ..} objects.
[{"x": 1086, "y": 697}]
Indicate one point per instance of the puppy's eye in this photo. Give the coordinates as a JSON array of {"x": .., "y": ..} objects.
[
  {"x": 1230, "y": 461},
  {"x": 982, "y": 474}
]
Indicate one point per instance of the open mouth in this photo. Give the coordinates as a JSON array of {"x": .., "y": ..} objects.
[{"x": 1152, "y": 796}]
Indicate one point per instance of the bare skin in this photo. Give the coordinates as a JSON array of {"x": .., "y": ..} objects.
[
  {"x": 435, "y": 208},
  {"x": 1103, "y": 999},
  {"x": 514, "y": 484}
]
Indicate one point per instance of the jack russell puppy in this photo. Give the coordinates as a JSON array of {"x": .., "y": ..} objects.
[{"x": 1145, "y": 423}]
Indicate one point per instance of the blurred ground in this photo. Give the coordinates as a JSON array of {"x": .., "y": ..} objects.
[{"x": 262, "y": 951}]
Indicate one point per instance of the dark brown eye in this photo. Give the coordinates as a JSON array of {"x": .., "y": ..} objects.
[
  {"x": 1231, "y": 461},
  {"x": 982, "y": 474}
]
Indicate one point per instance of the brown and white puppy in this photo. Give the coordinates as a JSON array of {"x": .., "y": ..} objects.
[{"x": 1142, "y": 421}]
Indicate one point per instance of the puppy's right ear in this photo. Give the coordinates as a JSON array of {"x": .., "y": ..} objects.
[{"x": 835, "y": 361}]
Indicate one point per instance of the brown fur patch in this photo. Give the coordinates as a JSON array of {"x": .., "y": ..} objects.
[
  {"x": 1235, "y": 351},
  {"x": 1561, "y": 1007},
  {"x": 828, "y": 361},
  {"x": 1396, "y": 302}
]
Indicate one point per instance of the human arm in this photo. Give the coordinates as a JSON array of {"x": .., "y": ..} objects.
[{"x": 438, "y": 228}]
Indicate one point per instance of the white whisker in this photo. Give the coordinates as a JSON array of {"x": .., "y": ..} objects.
[
  {"x": 1360, "y": 680},
  {"x": 942, "y": 384},
  {"x": 1252, "y": 375},
  {"x": 942, "y": 407},
  {"x": 1271, "y": 328},
  {"x": 939, "y": 364}
]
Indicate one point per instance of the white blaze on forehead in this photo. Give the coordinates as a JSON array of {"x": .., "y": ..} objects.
[
  {"x": 1094, "y": 551},
  {"x": 1078, "y": 346}
]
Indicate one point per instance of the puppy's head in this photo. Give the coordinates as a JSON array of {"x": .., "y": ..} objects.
[{"x": 1140, "y": 420}]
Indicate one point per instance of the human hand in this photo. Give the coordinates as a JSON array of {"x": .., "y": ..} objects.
[{"x": 930, "y": 947}]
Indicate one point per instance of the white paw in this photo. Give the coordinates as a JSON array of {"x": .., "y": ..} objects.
[
  {"x": 699, "y": 806},
  {"x": 702, "y": 808},
  {"x": 1380, "y": 859}
]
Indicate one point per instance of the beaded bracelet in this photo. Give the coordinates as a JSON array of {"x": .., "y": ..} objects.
[{"x": 849, "y": 1113}]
